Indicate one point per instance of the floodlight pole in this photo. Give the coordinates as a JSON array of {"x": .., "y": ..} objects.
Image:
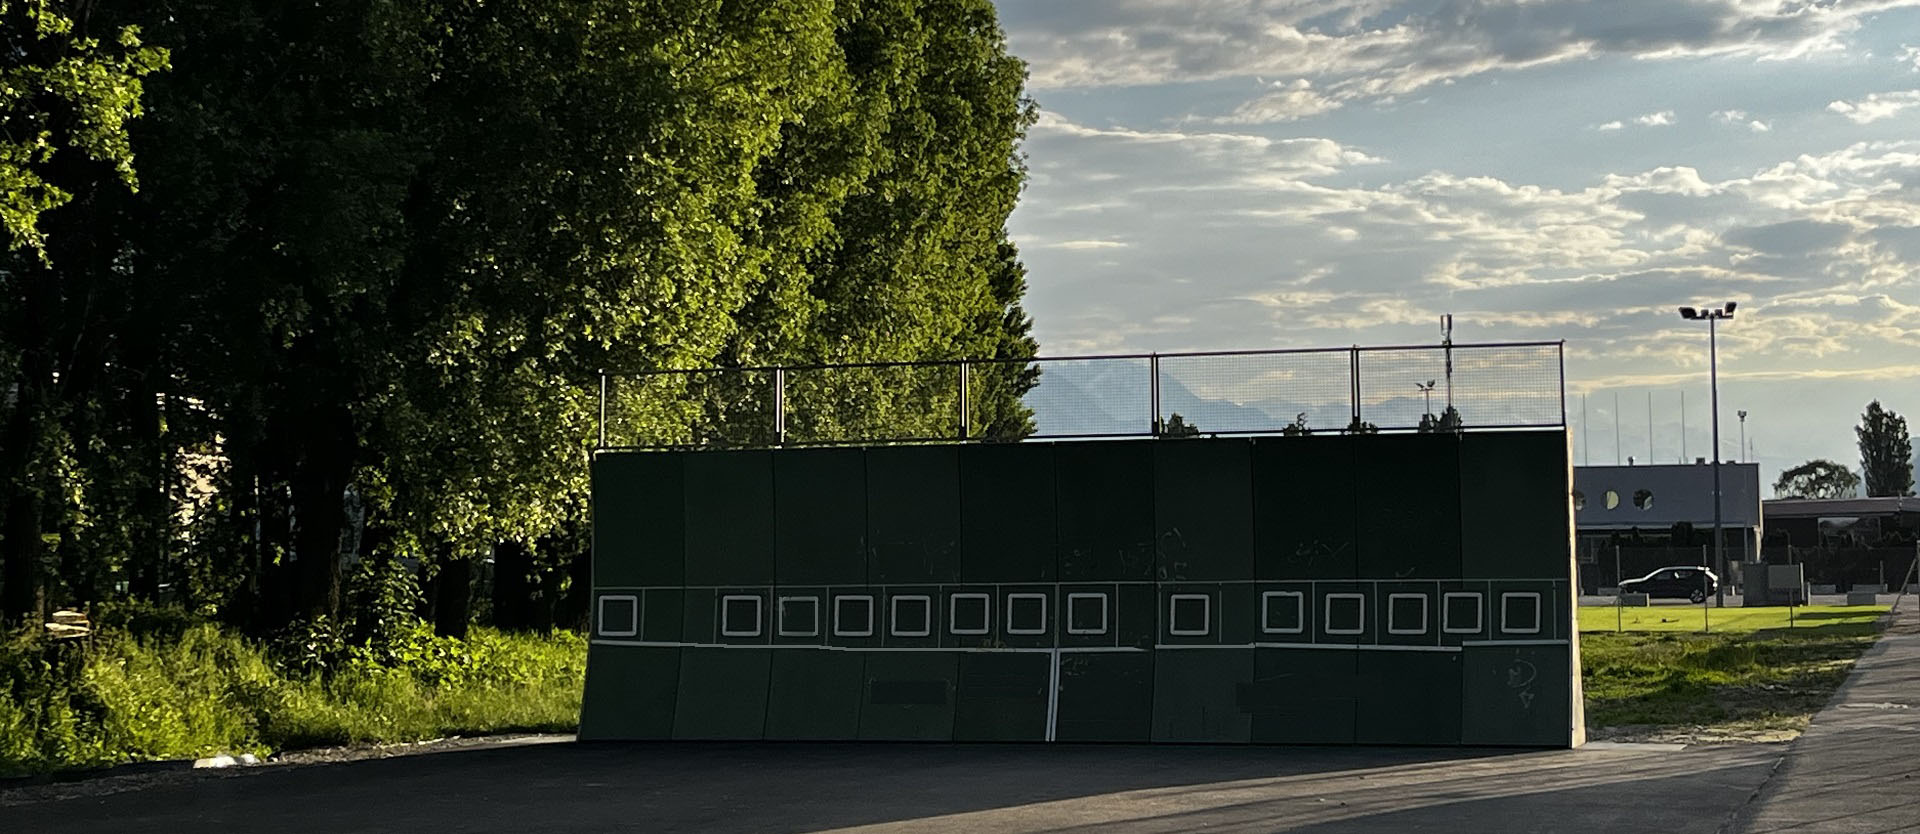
[
  {"x": 1713, "y": 315},
  {"x": 1713, "y": 382}
]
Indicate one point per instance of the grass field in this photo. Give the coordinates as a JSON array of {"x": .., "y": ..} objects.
[
  {"x": 1751, "y": 679},
  {"x": 1690, "y": 617}
]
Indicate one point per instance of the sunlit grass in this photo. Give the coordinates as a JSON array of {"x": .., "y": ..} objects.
[{"x": 1695, "y": 617}]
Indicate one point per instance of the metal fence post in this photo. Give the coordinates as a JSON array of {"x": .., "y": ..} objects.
[
  {"x": 966, "y": 411},
  {"x": 779, "y": 406},
  {"x": 1153, "y": 391},
  {"x": 1353, "y": 386},
  {"x": 603, "y": 409}
]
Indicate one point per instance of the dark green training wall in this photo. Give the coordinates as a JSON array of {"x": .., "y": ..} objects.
[{"x": 1375, "y": 589}]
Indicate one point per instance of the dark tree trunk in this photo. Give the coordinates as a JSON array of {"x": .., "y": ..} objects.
[
  {"x": 452, "y": 598},
  {"x": 22, "y": 599},
  {"x": 574, "y": 610},
  {"x": 512, "y": 586}
]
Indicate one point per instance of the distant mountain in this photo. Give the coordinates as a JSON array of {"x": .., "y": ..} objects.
[{"x": 1114, "y": 396}]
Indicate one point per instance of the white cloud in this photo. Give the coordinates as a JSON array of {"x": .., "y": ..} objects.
[
  {"x": 1660, "y": 119},
  {"x": 1613, "y": 125},
  {"x": 1739, "y": 117},
  {"x": 1876, "y": 106},
  {"x": 1373, "y": 48},
  {"x": 1286, "y": 102},
  {"x": 1910, "y": 55}
]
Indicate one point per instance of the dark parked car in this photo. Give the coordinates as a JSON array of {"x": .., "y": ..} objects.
[{"x": 1689, "y": 582}]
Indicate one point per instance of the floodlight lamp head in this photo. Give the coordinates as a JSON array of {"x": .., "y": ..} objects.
[
  {"x": 1689, "y": 313},
  {"x": 1729, "y": 308}
]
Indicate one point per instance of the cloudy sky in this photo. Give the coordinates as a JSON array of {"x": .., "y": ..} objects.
[{"x": 1265, "y": 173}]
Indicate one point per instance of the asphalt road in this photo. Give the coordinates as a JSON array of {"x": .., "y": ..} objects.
[{"x": 580, "y": 788}]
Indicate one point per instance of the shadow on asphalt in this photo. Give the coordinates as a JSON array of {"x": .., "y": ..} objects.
[{"x": 816, "y": 787}]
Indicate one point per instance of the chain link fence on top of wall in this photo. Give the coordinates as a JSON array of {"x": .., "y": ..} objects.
[{"x": 1399, "y": 388}]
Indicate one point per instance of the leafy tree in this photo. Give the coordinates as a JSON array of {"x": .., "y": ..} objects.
[
  {"x": 1818, "y": 478},
  {"x": 1886, "y": 452},
  {"x": 66, "y": 98},
  {"x": 1298, "y": 426},
  {"x": 1177, "y": 426}
]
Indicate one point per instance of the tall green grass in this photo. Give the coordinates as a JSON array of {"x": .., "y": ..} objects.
[{"x": 199, "y": 690}]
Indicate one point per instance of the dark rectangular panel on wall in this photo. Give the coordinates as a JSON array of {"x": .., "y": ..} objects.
[
  {"x": 1197, "y": 692},
  {"x": 1302, "y": 696},
  {"x": 1408, "y": 698},
  {"x": 1203, "y": 509},
  {"x": 1007, "y": 512},
  {"x": 1515, "y": 504},
  {"x": 630, "y": 693},
  {"x": 1517, "y": 695},
  {"x": 639, "y": 522},
  {"x": 910, "y": 696},
  {"x": 1408, "y": 505},
  {"x": 729, "y": 501},
  {"x": 723, "y": 693},
  {"x": 1304, "y": 508},
  {"x": 1105, "y": 494},
  {"x": 820, "y": 514},
  {"x": 1105, "y": 696},
  {"x": 1003, "y": 697},
  {"x": 815, "y": 695},
  {"x": 913, "y": 500}
]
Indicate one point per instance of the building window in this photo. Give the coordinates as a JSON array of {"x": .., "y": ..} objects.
[
  {"x": 1613, "y": 499},
  {"x": 1086, "y": 613},
  {"x": 1520, "y": 613},
  {"x": 740, "y": 616},
  {"x": 799, "y": 616},
  {"x": 1643, "y": 499},
  {"x": 1026, "y": 613},
  {"x": 1283, "y": 612},
  {"x": 1406, "y": 613},
  {"x": 1461, "y": 614},
  {"x": 912, "y": 616},
  {"x": 1189, "y": 615},
  {"x": 619, "y": 615},
  {"x": 1346, "y": 613},
  {"x": 969, "y": 613},
  {"x": 853, "y": 616},
  {"x": 1579, "y": 500}
]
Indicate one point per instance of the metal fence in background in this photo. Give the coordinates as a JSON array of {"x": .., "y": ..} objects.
[{"x": 1461, "y": 387}]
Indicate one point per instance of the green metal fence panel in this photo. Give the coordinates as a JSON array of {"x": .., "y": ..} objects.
[
  {"x": 1105, "y": 502},
  {"x": 1406, "y": 697},
  {"x": 630, "y": 693},
  {"x": 910, "y": 696},
  {"x": 1002, "y": 697},
  {"x": 1197, "y": 694},
  {"x": 729, "y": 502},
  {"x": 1302, "y": 696},
  {"x": 815, "y": 695},
  {"x": 639, "y": 522},
  {"x": 1515, "y": 504},
  {"x": 1305, "y": 518},
  {"x": 820, "y": 514},
  {"x": 1518, "y": 695},
  {"x": 913, "y": 500},
  {"x": 1007, "y": 518},
  {"x": 1408, "y": 506},
  {"x": 1105, "y": 696},
  {"x": 1203, "y": 509},
  {"x": 723, "y": 694}
]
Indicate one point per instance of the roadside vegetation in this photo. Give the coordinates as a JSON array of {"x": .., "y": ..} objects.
[
  {"x": 154, "y": 683},
  {"x": 1751, "y": 679}
]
